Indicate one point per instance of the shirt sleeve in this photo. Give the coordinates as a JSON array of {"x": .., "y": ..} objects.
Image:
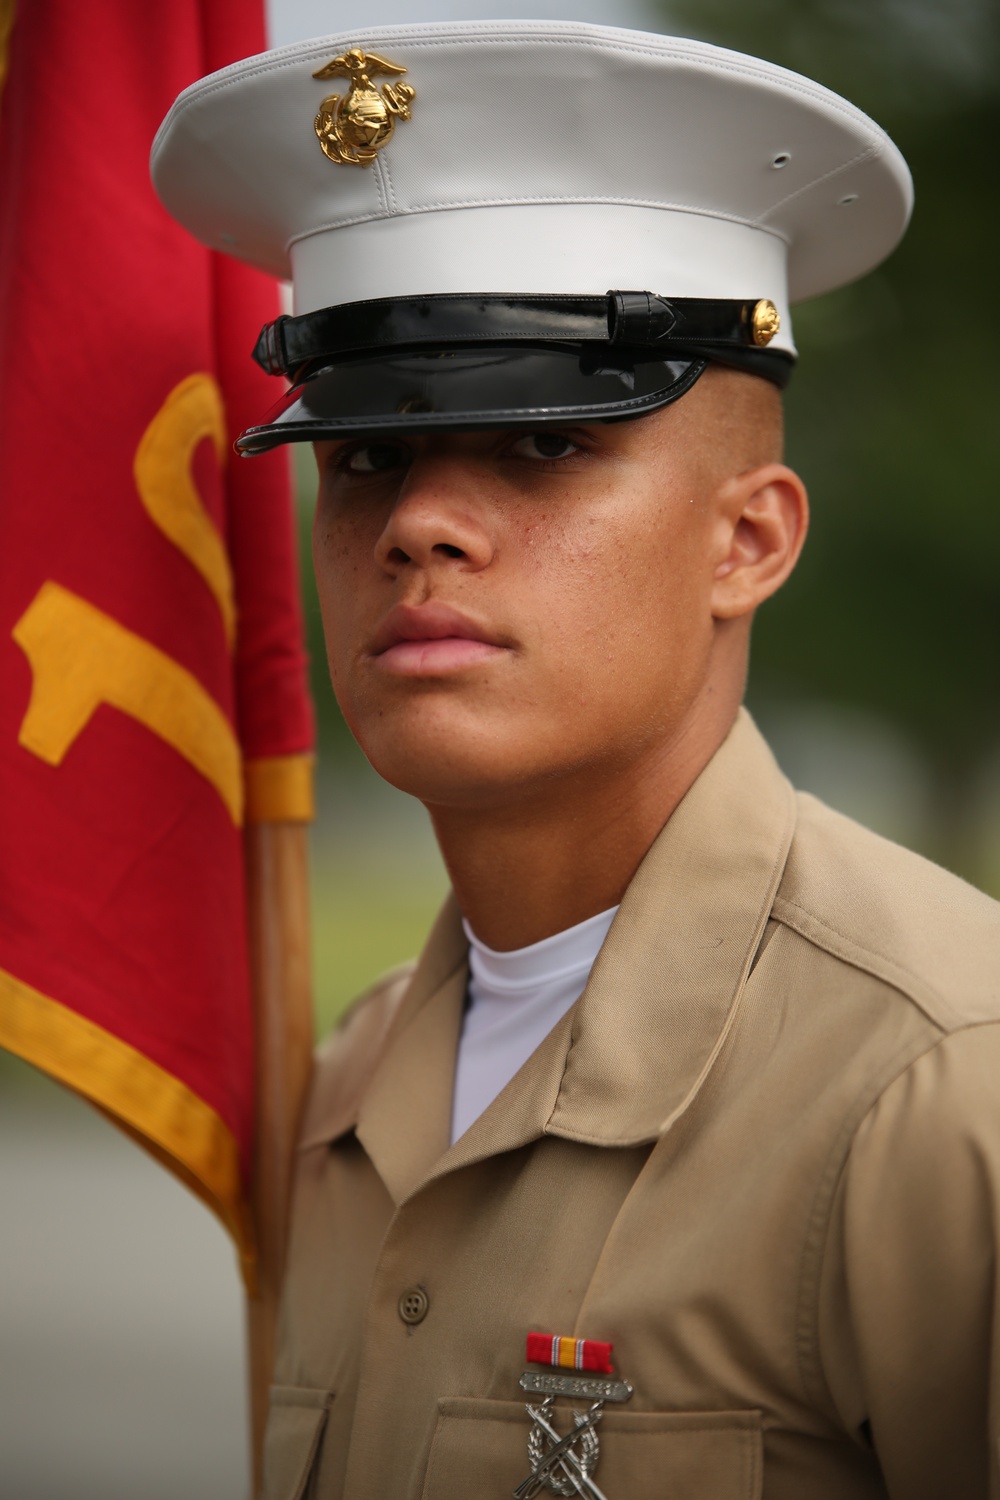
[{"x": 909, "y": 1292}]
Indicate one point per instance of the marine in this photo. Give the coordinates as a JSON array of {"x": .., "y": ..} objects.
[{"x": 672, "y": 1167}]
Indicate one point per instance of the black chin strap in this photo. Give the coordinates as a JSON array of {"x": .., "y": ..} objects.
[{"x": 638, "y": 321}]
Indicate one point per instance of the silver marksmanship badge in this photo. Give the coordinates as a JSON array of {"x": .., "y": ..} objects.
[{"x": 564, "y": 1463}]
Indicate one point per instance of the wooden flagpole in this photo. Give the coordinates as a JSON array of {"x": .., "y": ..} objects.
[{"x": 278, "y": 919}]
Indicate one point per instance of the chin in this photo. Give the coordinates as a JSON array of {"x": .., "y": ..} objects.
[
  {"x": 454, "y": 760},
  {"x": 437, "y": 780}
]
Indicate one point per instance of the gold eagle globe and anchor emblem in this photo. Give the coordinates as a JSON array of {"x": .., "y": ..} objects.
[{"x": 352, "y": 128}]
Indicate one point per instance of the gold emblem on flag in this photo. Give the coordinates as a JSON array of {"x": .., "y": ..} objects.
[{"x": 352, "y": 128}]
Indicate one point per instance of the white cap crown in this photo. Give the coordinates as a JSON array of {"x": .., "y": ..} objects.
[{"x": 533, "y": 157}]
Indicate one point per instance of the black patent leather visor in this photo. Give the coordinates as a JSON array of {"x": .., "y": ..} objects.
[
  {"x": 471, "y": 388},
  {"x": 452, "y": 361}
]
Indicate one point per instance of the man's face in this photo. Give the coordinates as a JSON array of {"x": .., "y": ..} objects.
[{"x": 511, "y": 613}]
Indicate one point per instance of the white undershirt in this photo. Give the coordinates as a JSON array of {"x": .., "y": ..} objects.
[{"x": 514, "y": 1001}]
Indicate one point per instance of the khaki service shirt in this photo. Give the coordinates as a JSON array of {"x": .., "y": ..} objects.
[{"x": 761, "y": 1156}]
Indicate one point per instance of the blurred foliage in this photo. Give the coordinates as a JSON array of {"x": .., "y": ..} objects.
[
  {"x": 892, "y": 413},
  {"x": 364, "y": 923}
]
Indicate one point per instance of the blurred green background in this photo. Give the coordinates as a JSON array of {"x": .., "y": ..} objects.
[{"x": 875, "y": 671}]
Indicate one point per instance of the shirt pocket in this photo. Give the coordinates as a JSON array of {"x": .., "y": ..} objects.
[
  {"x": 481, "y": 1447},
  {"x": 295, "y": 1424}
]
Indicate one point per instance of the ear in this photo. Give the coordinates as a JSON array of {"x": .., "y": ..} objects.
[{"x": 762, "y": 519}]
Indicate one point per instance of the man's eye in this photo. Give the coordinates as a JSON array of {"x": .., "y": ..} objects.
[
  {"x": 544, "y": 445},
  {"x": 374, "y": 458}
]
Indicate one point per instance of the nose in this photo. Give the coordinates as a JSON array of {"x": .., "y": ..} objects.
[{"x": 438, "y": 520}]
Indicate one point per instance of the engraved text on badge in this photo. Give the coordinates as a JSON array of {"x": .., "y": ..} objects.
[{"x": 582, "y": 1387}]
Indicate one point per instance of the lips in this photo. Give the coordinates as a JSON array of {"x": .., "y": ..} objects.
[{"x": 429, "y": 639}]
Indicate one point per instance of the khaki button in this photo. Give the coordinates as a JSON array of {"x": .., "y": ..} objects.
[{"x": 413, "y": 1305}]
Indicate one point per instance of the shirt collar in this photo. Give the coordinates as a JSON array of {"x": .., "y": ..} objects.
[
  {"x": 630, "y": 1056},
  {"x": 664, "y": 990}
]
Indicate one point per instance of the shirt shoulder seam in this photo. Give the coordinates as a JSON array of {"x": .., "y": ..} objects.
[{"x": 850, "y": 949}]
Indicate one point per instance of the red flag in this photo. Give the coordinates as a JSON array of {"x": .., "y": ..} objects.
[{"x": 152, "y": 691}]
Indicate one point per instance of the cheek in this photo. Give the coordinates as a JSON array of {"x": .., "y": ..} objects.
[
  {"x": 634, "y": 595},
  {"x": 342, "y": 563}
]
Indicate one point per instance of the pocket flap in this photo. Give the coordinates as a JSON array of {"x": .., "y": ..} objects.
[
  {"x": 683, "y": 1455},
  {"x": 295, "y": 1426}
]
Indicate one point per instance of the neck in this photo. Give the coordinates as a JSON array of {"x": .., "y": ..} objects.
[{"x": 549, "y": 859}]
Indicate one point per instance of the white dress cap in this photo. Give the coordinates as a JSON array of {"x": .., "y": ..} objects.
[
  {"x": 540, "y": 157},
  {"x": 532, "y": 158}
]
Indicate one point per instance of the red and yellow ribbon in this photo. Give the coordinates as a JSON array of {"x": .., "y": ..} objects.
[{"x": 569, "y": 1354}]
